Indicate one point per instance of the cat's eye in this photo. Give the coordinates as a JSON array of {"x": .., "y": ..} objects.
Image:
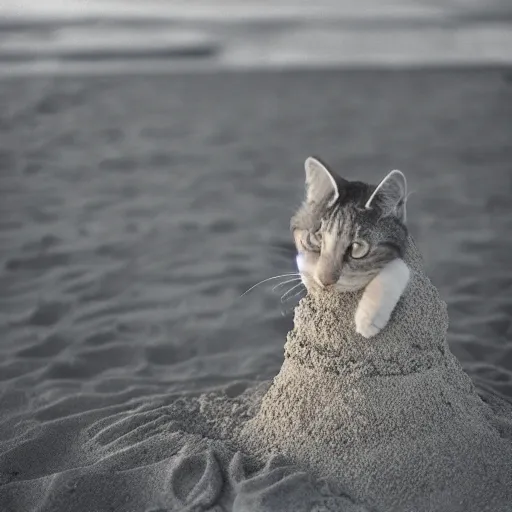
[{"x": 359, "y": 249}]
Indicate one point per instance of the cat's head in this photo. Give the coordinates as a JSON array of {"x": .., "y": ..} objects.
[{"x": 346, "y": 231}]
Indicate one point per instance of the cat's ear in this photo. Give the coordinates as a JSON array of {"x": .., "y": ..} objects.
[
  {"x": 320, "y": 183},
  {"x": 392, "y": 195}
]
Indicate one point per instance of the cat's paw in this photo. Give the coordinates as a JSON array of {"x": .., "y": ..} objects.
[
  {"x": 368, "y": 325},
  {"x": 380, "y": 298}
]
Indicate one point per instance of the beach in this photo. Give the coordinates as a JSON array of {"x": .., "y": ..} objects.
[
  {"x": 150, "y": 161},
  {"x": 135, "y": 211}
]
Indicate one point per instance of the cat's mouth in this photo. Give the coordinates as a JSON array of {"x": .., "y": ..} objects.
[
  {"x": 312, "y": 284},
  {"x": 306, "y": 270}
]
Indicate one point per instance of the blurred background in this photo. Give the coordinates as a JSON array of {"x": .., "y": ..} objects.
[
  {"x": 151, "y": 156},
  {"x": 163, "y": 35}
]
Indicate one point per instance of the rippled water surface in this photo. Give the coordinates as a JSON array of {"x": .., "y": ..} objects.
[
  {"x": 136, "y": 210},
  {"x": 113, "y": 36}
]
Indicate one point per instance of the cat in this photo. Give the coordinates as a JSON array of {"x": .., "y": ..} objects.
[{"x": 352, "y": 236}]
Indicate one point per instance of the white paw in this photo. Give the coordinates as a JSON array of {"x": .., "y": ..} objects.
[
  {"x": 369, "y": 325},
  {"x": 380, "y": 298}
]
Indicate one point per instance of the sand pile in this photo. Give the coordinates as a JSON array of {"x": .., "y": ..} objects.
[{"x": 393, "y": 420}]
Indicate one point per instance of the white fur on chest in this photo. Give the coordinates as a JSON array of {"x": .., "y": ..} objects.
[{"x": 380, "y": 298}]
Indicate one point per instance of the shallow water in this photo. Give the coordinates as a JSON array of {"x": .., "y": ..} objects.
[
  {"x": 136, "y": 210},
  {"x": 119, "y": 36}
]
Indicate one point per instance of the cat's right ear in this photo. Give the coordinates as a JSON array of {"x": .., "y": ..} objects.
[{"x": 320, "y": 183}]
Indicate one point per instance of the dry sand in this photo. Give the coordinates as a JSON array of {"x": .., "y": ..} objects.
[{"x": 126, "y": 236}]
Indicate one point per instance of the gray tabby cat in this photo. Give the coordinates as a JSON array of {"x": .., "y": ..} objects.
[{"x": 351, "y": 236}]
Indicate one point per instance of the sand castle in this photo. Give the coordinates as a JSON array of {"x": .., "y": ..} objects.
[{"x": 393, "y": 420}]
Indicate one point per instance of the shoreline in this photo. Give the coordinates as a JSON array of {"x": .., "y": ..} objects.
[
  {"x": 194, "y": 67},
  {"x": 292, "y": 35}
]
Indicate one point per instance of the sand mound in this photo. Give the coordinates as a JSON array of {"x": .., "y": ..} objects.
[{"x": 394, "y": 420}]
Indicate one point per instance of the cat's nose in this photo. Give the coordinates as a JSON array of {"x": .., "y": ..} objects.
[{"x": 327, "y": 278}]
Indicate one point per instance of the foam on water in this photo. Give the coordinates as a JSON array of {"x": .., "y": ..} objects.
[{"x": 120, "y": 37}]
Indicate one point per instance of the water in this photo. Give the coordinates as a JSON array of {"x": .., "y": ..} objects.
[{"x": 105, "y": 37}]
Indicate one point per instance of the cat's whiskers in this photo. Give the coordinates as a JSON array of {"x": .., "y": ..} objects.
[
  {"x": 290, "y": 290},
  {"x": 298, "y": 293},
  {"x": 285, "y": 282},
  {"x": 270, "y": 279}
]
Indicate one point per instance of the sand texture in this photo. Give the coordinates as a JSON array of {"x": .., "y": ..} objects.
[
  {"x": 350, "y": 425},
  {"x": 134, "y": 212},
  {"x": 394, "y": 420},
  {"x": 177, "y": 453}
]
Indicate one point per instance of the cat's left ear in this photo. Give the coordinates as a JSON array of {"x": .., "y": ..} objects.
[{"x": 392, "y": 195}]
